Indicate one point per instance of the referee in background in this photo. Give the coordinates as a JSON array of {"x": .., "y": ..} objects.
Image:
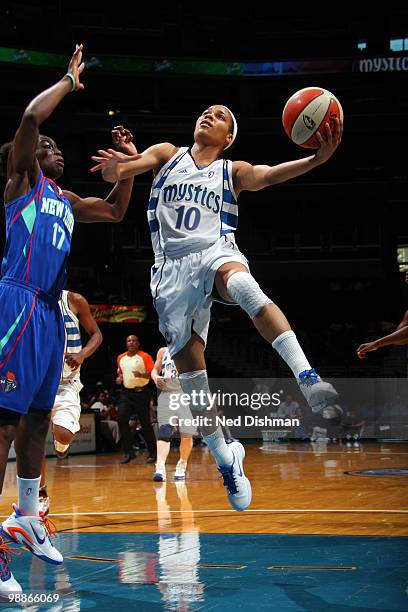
[{"x": 134, "y": 368}]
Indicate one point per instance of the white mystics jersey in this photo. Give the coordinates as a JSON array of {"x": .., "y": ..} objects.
[
  {"x": 190, "y": 207},
  {"x": 73, "y": 342},
  {"x": 169, "y": 372}
]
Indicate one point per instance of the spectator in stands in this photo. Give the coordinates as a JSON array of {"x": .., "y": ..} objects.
[
  {"x": 288, "y": 408},
  {"x": 352, "y": 427},
  {"x": 108, "y": 425},
  {"x": 100, "y": 403}
]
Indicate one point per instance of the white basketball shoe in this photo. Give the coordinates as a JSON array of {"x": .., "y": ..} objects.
[
  {"x": 318, "y": 393},
  {"x": 34, "y": 532},
  {"x": 235, "y": 481},
  {"x": 180, "y": 473},
  {"x": 160, "y": 473}
]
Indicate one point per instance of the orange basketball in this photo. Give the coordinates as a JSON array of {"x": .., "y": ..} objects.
[{"x": 307, "y": 112}]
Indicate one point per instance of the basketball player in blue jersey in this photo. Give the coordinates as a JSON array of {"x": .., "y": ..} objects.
[
  {"x": 193, "y": 214},
  {"x": 39, "y": 223}
]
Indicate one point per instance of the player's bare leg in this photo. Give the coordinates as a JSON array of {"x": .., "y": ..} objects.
[
  {"x": 186, "y": 445},
  {"x": 234, "y": 283},
  {"x": 29, "y": 444}
]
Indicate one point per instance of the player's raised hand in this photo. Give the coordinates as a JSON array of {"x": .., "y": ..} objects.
[
  {"x": 363, "y": 349},
  {"x": 108, "y": 163},
  {"x": 123, "y": 140},
  {"x": 330, "y": 142},
  {"x": 76, "y": 67}
]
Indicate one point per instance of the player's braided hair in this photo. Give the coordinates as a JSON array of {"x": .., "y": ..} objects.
[{"x": 4, "y": 153}]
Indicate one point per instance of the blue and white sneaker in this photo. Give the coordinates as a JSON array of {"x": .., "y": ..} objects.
[
  {"x": 8, "y": 584},
  {"x": 318, "y": 394},
  {"x": 181, "y": 467},
  {"x": 237, "y": 484},
  {"x": 160, "y": 473},
  {"x": 33, "y": 532}
]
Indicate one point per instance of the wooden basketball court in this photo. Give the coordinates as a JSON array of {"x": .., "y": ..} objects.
[{"x": 313, "y": 518}]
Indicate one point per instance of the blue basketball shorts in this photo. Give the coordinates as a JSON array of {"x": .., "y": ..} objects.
[{"x": 32, "y": 341}]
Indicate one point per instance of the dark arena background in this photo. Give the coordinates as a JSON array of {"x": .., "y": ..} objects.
[{"x": 327, "y": 528}]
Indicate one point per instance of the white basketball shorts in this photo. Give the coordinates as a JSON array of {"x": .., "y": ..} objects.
[
  {"x": 182, "y": 288},
  {"x": 170, "y": 410},
  {"x": 67, "y": 406}
]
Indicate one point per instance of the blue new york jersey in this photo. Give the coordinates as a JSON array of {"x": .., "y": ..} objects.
[{"x": 39, "y": 227}]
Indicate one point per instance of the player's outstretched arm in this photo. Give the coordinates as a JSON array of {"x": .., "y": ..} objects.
[
  {"x": 253, "y": 178},
  {"x": 23, "y": 168},
  {"x": 399, "y": 337},
  {"x": 81, "y": 308},
  {"x": 112, "y": 208},
  {"x": 404, "y": 322},
  {"x": 115, "y": 168}
]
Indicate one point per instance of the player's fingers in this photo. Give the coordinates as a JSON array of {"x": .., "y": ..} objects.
[
  {"x": 105, "y": 154},
  {"x": 329, "y": 136},
  {"x": 319, "y": 138},
  {"x": 96, "y": 168},
  {"x": 339, "y": 130}
]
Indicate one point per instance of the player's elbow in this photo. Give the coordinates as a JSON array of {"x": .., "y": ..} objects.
[
  {"x": 99, "y": 338},
  {"x": 115, "y": 214},
  {"x": 118, "y": 216},
  {"x": 31, "y": 118}
]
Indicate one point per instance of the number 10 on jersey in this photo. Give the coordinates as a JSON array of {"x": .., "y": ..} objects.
[{"x": 190, "y": 220}]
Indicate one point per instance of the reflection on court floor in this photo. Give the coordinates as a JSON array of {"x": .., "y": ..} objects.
[
  {"x": 191, "y": 571},
  {"x": 319, "y": 536}
]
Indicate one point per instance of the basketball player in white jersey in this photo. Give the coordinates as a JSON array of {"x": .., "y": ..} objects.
[
  {"x": 67, "y": 407},
  {"x": 165, "y": 377},
  {"x": 192, "y": 215}
]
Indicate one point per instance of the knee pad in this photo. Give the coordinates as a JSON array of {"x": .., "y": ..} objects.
[
  {"x": 61, "y": 448},
  {"x": 195, "y": 384},
  {"x": 165, "y": 432},
  {"x": 246, "y": 292}
]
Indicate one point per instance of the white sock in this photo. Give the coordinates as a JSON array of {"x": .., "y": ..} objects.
[
  {"x": 28, "y": 493},
  {"x": 290, "y": 350},
  {"x": 219, "y": 448}
]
